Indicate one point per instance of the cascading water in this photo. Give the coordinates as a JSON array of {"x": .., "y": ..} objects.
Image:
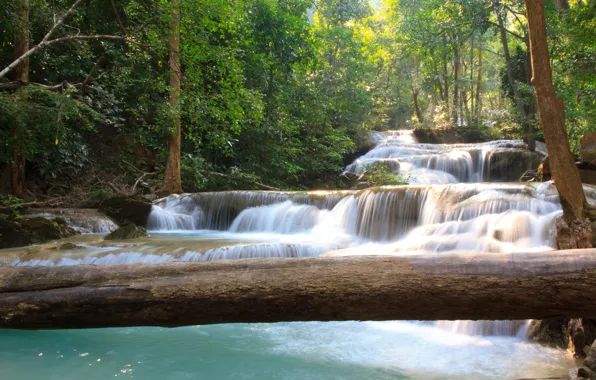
[
  {"x": 445, "y": 209},
  {"x": 498, "y": 161},
  {"x": 83, "y": 220}
]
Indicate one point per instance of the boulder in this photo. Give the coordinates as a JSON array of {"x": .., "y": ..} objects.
[
  {"x": 130, "y": 231},
  {"x": 67, "y": 246},
  {"x": 126, "y": 210},
  {"x": 588, "y": 147},
  {"x": 22, "y": 232},
  {"x": 509, "y": 165}
]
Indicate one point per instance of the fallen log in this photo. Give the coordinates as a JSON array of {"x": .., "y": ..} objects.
[{"x": 430, "y": 287}]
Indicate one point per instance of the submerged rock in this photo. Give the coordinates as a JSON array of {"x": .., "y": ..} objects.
[
  {"x": 126, "y": 210},
  {"x": 28, "y": 231},
  {"x": 67, "y": 246},
  {"x": 129, "y": 231}
]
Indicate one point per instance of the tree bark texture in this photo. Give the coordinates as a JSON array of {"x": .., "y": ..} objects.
[
  {"x": 552, "y": 117},
  {"x": 456, "y": 73},
  {"x": 426, "y": 287},
  {"x": 171, "y": 179},
  {"x": 478, "y": 109},
  {"x": 20, "y": 74},
  {"x": 21, "y": 40},
  {"x": 562, "y": 7},
  {"x": 416, "y": 105}
]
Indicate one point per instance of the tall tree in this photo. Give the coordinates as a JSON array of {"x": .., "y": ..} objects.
[
  {"x": 512, "y": 82},
  {"x": 171, "y": 178},
  {"x": 20, "y": 73},
  {"x": 574, "y": 230},
  {"x": 562, "y": 7}
]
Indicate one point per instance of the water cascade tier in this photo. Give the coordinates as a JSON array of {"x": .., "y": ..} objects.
[
  {"x": 434, "y": 219},
  {"x": 495, "y": 161}
]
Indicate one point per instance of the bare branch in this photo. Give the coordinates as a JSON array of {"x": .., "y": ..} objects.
[
  {"x": 46, "y": 40},
  {"x": 90, "y": 76},
  {"x": 59, "y": 22},
  {"x": 45, "y": 43},
  {"x": 507, "y": 31}
]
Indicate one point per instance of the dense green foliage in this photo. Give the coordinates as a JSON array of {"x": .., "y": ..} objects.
[{"x": 280, "y": 92}]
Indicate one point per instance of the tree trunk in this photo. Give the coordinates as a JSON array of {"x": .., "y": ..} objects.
[
  {"x": 478, "y": 108},
  {"x": 171, "y": 178},
  {"x": 552, "y": 116},
  {"x": 472, "y": 97},
  {"x": 20, "y": 74},
  {"x": 456, "y": 71},
  {"x": 562, "y": 7},
  {"x": 467, "y": 286},
  {"x": 531, "y": 135},
  {"x": 21, "y": 40},
  {"x": 446, "y": 83},
  {"x": 416, "y": 105},
  {"x": 519, "y": 102}
]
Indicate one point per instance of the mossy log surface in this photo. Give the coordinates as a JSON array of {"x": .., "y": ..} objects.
[{"x": 429, "y": 287}]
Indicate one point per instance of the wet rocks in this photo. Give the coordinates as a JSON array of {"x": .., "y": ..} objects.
[
  {"x": 362, "y": 185},
  {"x": 588, "y": 370},
  {"x": 574, "y": 334},
  {"x": 129, "y": 231},
  {"x": 82, "y": 220},
  {"x": 509, "y": 165},
  {"x": 126, "y": 210},
  {"x": 17, "y": 232},
  {"x": 69, "y": 246}
]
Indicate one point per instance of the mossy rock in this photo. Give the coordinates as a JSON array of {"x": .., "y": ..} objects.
[
  {"x": 129, "y": 231},
  {"x": 126, "y": 210},
  {"x": 22, "y": 232}
]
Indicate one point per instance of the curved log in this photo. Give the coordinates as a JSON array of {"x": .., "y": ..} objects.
[{"x": 429, "y": 287}]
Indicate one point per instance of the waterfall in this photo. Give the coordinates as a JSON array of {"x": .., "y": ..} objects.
[
  {"x": 446, "y": 208},
  {"x": 217, "y": 211},
  {"x": 501, "y": 161}
]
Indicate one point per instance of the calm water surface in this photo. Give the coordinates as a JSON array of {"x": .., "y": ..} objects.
[{"x": 346, "y": 350}]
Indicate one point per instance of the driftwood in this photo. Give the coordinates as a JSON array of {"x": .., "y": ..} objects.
[{"x": 483, "y": 286}]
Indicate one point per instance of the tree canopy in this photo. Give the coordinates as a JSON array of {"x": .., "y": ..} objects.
[{"x": 272, "y": 92}]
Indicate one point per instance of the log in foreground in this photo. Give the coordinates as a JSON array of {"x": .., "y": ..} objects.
[{"x": 429, "y": 287}]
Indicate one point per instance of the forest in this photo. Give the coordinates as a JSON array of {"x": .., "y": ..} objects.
[{"x": 120, "y": 96}]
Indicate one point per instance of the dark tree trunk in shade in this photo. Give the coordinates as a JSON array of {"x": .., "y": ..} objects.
[
  {"x": 171, "y": 179},
  {"x": 20, "y": 74}
]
